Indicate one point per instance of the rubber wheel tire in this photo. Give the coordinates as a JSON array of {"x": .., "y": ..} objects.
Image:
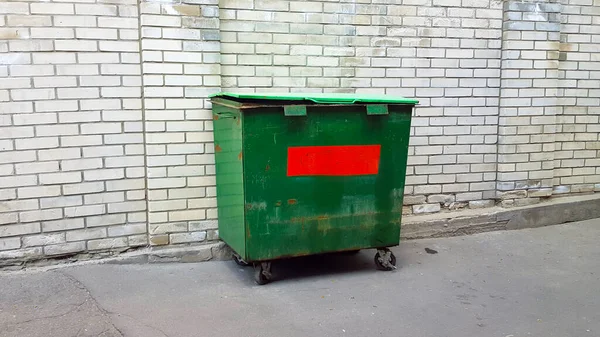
[
  {"x": 382, "y": 267},
  {"x": 259, "y": 277},
  {"x": 239, "y": 261}
]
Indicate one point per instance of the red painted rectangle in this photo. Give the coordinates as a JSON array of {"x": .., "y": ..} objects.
[{"x": 350, "y": 160}]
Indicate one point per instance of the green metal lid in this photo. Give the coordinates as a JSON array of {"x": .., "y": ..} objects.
[{"x": 326, "y": 98}]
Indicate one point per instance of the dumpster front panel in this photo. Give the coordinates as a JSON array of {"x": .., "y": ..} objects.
[
  {"x": 230, "y": 178},
  {"x": 332, "y": 180}
]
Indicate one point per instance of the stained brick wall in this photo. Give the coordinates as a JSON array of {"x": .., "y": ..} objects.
[
  {"x": 181, "y": 67},
  {"x": 577, "y": 155},
  {"x": 106, "y": 133},
  {"x": 72, "y": 173},
  {"x": 528, "y": 101},
  {"x": 446, "y": 53}
]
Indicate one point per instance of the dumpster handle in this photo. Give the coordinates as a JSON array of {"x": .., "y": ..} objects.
[
  {"x": 294, "y": 110},
  {"x": 225, "y": 115},
  {"x": 377, "y": 109}
]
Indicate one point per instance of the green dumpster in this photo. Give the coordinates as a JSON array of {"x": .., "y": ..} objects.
[{"x": 302, "y": 174}]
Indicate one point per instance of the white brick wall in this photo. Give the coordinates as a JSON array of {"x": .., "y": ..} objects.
[
  {"x": 69, "y": 116},
  {"x": 432, "y": 53},
  {"x": 106, "y": 132},
  {"x": 528, "y": 107},
  {"x": 180, "y": 53},
  {"x": 577, "y": 147}
]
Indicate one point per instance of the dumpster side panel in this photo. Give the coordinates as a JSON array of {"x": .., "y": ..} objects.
[
  {"x": 330, "y": 181},
  {"x": 228, "y": 124}
]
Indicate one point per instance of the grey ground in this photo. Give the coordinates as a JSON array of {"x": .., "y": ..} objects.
[{"x": 534, "y": 282}]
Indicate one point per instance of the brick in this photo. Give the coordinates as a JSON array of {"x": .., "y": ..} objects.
[
  {"x": 106, "y": 220},
  {"x": 52, "y": 8},
  {"x": 98, "y": 58},
  {"x": 107, "y": 244},
  {"x": 77, "y": 69},
  {"x": 119, "y": 69},
  {"x": 160, "y": 21},
  {"x": 168, "y": 228},
  {"x": 211, "y": 213},
  {"x": 8, "y": 218},
  {"x": 53, "y": 58},
  {"x": 119, "y": 46},
  {"x": 54, "y": 82},
  {"x": 75, "y": 45},
  {"x": 10, "y": 243},
  {"x": 65, "y": 248},
  {"x": 31, "y": 70},
  {"x": 117, "y": 92},
  {"x": 58, "y": 154},
  {"x": 148, "y": 44},
  {"x": 21, "y": 205},
  {"x": 78, "y": 141},
  {"x": 77, "y": 93},
  {"x": 426, "y": 208},
  {"x": 138, "y": 240},
  {"x": 86, "y": 234},
  {"x": 96, "y": 9},
  {"x": 20, "y": 229},
  {"x": 60, "y": 178},
  {"x": 41, "y": 215},
  {"x": 187, "y": 237},
  {"x": 128, "y": 206},
  {"x": 61, "y": 201},
  {"x": 468, "y": 196},
  {"x": 14, "y": 33},
  {"x": 120, "y": 22},
  {"x": 201, "y": 181},
  {"x": 74, "y": 21},
  {"x": 128, "y": 229},
  {"x": 61, "y": 225},
  {"x": 13, "y": 83},
  {"x": 127, "y": 138},
  {"x": 17, "y": 181},
  {"x": 6, "y": 170},
  {"x": 122, "y": 115},
  {"x": 16, "y": 156},
  {"x": 43, "y": 239},
  {"x": 36, "y": 167},
  {"x": 52, "y": 33},
  {"x": 96, "y": 33},
  {"x": 440, "y": 198},
  {"x": 38, "y": 191},
  {"x": 85, "y": 210},
  {"x": 14, "y": 8},
  {"x": 103, "y": 175},
  {"x": 29, "y": 20}
]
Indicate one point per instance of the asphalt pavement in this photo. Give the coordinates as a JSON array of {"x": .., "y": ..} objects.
[{"x": 533, "y": 282}]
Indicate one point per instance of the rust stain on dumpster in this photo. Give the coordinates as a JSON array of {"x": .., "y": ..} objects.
[{"x": 218, "y": 148}]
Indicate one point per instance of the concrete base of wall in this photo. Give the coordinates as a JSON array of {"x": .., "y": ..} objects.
[{"x": 553, "y": 212}]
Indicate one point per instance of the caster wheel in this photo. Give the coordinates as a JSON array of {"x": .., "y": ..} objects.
[
  {"x": 385, "y": 260},
  {"x": 260, "y": 278},
  {"x": 238, "y": 260},
  {"x": 262, "y": 273}
]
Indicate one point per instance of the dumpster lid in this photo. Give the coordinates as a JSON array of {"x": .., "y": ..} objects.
[{"x": 320, "y": 98}]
